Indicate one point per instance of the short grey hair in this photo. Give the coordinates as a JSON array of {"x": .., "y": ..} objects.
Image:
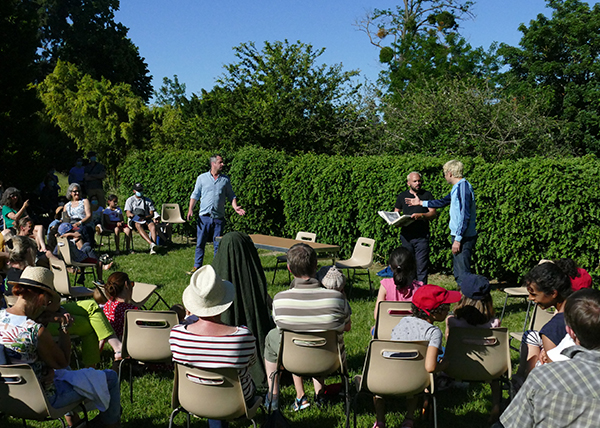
[
  {"x": 72, "y": 187},
  {"x": 213, "y": 158},
  {"x": 411, "y": 173}
]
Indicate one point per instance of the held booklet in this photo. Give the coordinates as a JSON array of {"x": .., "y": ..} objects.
[{"x": 395, "y": 219}]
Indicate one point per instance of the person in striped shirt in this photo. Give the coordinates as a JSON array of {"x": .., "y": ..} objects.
[
  {"x": 207, "y": 342},
  {"x": 305, "y": 307}
]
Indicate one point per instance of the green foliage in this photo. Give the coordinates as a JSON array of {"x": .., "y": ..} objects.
[
  {"x": 559, "y": 59},
  {"x": 108, "y": 118},
  {"x": 469, "y": 117},
  {"x": 171, "y": 93}
]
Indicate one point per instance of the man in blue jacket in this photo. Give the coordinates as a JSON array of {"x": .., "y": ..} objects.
[{"x": 462, "y": 216}]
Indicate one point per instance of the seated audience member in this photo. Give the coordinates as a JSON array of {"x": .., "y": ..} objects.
[
  {"x": 115, "y": 222},
  {"x": 81, "y": 252},
  {"x": 564, "y": 393},
  {"x": 140, "y": 212},
  {"x": 21, "y": 253},
  {"x": 579, "y": 277},
  {"x": 25, "y": 227},
  {"x": 237, "y": 261},
  {"x": 306, "y": 307},
  {"x": 476, "y": 309},
  {"x": 97, "y": 210},
  {"x": 430, "y": 303},
  {"x": 3, "y": 254},
  {"x": 77, "y": 172},
  {"x": 548, "y": 286},
  {"x": 27, "y": 341},
  {"x": 80, "y": 213},
  {"x": 402, "y": 286},
  {"x": 118, "y": 290},
  {"x": 48, "y": 192},
  {"x": 13, "y": 208},
  {"x": 208, "y": 342}
]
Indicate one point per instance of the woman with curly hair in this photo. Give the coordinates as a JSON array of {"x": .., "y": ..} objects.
[{"x": 13, "y": 207}]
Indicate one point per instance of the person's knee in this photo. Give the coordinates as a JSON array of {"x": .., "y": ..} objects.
[{"x": 272, "y": 342}]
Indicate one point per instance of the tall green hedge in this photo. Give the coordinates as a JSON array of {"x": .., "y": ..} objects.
[{"x": 526, "y": 210}]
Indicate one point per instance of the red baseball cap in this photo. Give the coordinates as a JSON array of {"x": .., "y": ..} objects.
[{"x": 429, "y": 297}]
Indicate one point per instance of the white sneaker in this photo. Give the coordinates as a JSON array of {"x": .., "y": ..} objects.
[{"x": 152, "y": 250}]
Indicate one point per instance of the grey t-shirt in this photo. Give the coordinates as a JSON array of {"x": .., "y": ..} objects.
[{"x": 413, "y": 328}]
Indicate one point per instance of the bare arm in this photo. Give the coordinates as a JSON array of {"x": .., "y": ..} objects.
[
  {"x": 237, "y": 208},
  {"x": 380, "y": 297},
  {"x": 428, "y": 216},
  {"x": 16, "y": 216},
  {"x": 54, "y": 355},
  {"x": 190, "y": 212},
  {"x": 431, "y": 364},
  {"x": 88, "y": 212}
]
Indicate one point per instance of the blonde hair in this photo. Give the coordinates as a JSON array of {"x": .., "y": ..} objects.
[
  {"x": 19, "y": 246},
  {"x": 475, "y": 312},
  {"x": 454, "y": 167}
]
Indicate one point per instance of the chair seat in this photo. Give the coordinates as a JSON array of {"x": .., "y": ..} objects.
[
  {"x": 282, "y": 259},
  {"x": 351, "y": 264},
  {"x": 81, "y": 292},
  {"x": 84, "y": 265},
  {"x": 517, "y": 291},
  {"x": 175, "y": 221}
]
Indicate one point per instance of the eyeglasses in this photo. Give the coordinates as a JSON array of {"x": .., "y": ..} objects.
[{"x": 75, "y": 191}]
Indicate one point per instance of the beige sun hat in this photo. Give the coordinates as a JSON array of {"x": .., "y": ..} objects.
[
  {"x": 331, "y": 278},
  {"x": 39, "y": 277},
  {"x": 208, "y": 295}
]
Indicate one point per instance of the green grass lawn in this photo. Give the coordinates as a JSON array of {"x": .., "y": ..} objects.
[{"x": 464, "y": 407}]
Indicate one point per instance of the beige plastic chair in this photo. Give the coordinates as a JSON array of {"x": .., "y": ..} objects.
[
  {"x": 395, "y": 369},
  {"x": 62, "y": 283},
  {"x": 146, "y": 339},
  {"x": 171, "y": 213},
  {"x": 22, "y": 396},
  {"x": 519, "y": 293},
  {"x": 110, "y": 234},
  {"x": 210, "y": 393},
  {"x": 300, "y": 236},
  {"x": 65, "y": 252},
  {"x": 362, "y": 258},
  {"x": 539, "y": 318},
  {"x": 315, "y": 354},
  {"x": 389, "y": 315},
  {"x": 142, "y": 292},
  {"x": 478, "y": 354}
]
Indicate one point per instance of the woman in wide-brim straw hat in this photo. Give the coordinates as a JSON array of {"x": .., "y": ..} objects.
[
  {"x": 204, "y": 340},
  {"x": 27, "y": 341}
]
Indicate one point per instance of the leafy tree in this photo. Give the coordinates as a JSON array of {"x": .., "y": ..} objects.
[
  {"x": 171, "y": 93},
  {"x": 469, "y": 117},
  {"x": 84, "y": 33},
  {"x": 108, "y": 118},
  {"x": 279, "y": 98},
  {"x": 559, "y": 60}
]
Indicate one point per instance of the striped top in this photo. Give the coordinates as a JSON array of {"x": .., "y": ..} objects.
[
  {"x": 237, "y": 350},
  {"x": 308, "y": 307}
]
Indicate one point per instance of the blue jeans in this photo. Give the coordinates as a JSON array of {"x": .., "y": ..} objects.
[
  {"x": 65, "y": 394},
  {"x": 207, "y": 227},
  {"x": 462, "y": 260}
]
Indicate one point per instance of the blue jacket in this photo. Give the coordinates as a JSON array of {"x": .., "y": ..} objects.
[{"x": 462, "y": 209}]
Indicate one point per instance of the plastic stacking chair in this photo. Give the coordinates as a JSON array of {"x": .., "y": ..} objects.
[
  {"x": 539, "y": 318},
  {"x": 395, "y": 369},
  {"x": 300, "y": 236},
  {"x": 22, "y": 396},
  {"x": 362, "y": 258},
  {"x": 315, "y": 354},
  {"x": 63, "y": 285},
  {"x": 65, "y": 252},
  {"x": 142, "y": 292},
  {"x": 389, "y": 315},
  {"x": 516, "y": 292},
  {"x": 210, "y": 393},
  {"x": 478, "y": 354},
  {"x": 146, "y": 339},
  {"x": 171, "y": 214}
]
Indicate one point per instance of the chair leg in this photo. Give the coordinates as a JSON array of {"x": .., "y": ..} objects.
[
  {"x": 275, "y": 272},
  {"x": 173, "y": 414},
  {"x": 347, "y": 399},
  {"x": 370, "y": 283},
  {"x": 131, "y": 383},
  {"x": 504, "y": 308}
]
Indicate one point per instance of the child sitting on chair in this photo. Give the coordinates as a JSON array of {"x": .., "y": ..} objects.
[{"x": 430, "y": 303}]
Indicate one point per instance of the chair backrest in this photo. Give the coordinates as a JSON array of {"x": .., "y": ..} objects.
[
  {"x": 363, "y": 251},
  {"x": 21, "y": 393},
  {"x": 170, "y": 213},
  {"x": 146, "y": 335},
  {"x": 61, "y": 277},
  {"x": 64, "y": 249},
  {"x": 395, "y": 368},
  {"x": 477, "y": 354},
  {"x": 306, "y": 236},
  {"x": 209, "y": 393},
  {"x": 389, "y": 315},
  {"x": 310, "y": 354},
  {"x": 540, "y": 317},
  {"x": 141, "y": 293}
]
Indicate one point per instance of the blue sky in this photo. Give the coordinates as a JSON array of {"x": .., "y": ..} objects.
[{"x": 194, "y": 38}]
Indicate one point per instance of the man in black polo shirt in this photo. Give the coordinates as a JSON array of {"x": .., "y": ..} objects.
[{"x": 415, "y": 237}]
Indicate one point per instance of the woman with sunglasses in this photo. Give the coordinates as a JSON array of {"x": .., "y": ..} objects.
[{"x": 80, "y": 213}]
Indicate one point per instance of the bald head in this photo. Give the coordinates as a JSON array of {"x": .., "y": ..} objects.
[{"x": 414, "y": 181}]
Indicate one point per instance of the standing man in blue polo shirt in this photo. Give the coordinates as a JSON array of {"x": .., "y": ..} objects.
[
  {"x": 462, "y": 216},
  {"x": 212, "y": 188}
]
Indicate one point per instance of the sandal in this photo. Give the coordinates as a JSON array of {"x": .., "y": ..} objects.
[{"x": 300, "y": 404}]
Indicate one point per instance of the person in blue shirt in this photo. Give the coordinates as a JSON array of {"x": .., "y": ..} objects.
[
  {"x": 462, "y": 216},
  {"x": 212, "y": 188}
]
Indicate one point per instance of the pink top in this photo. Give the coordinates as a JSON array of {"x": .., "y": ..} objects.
[
  {"x": 115, "y": 312},
  {"x": 452, "y": 321},
  {"x": 392, "y": 294}
]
